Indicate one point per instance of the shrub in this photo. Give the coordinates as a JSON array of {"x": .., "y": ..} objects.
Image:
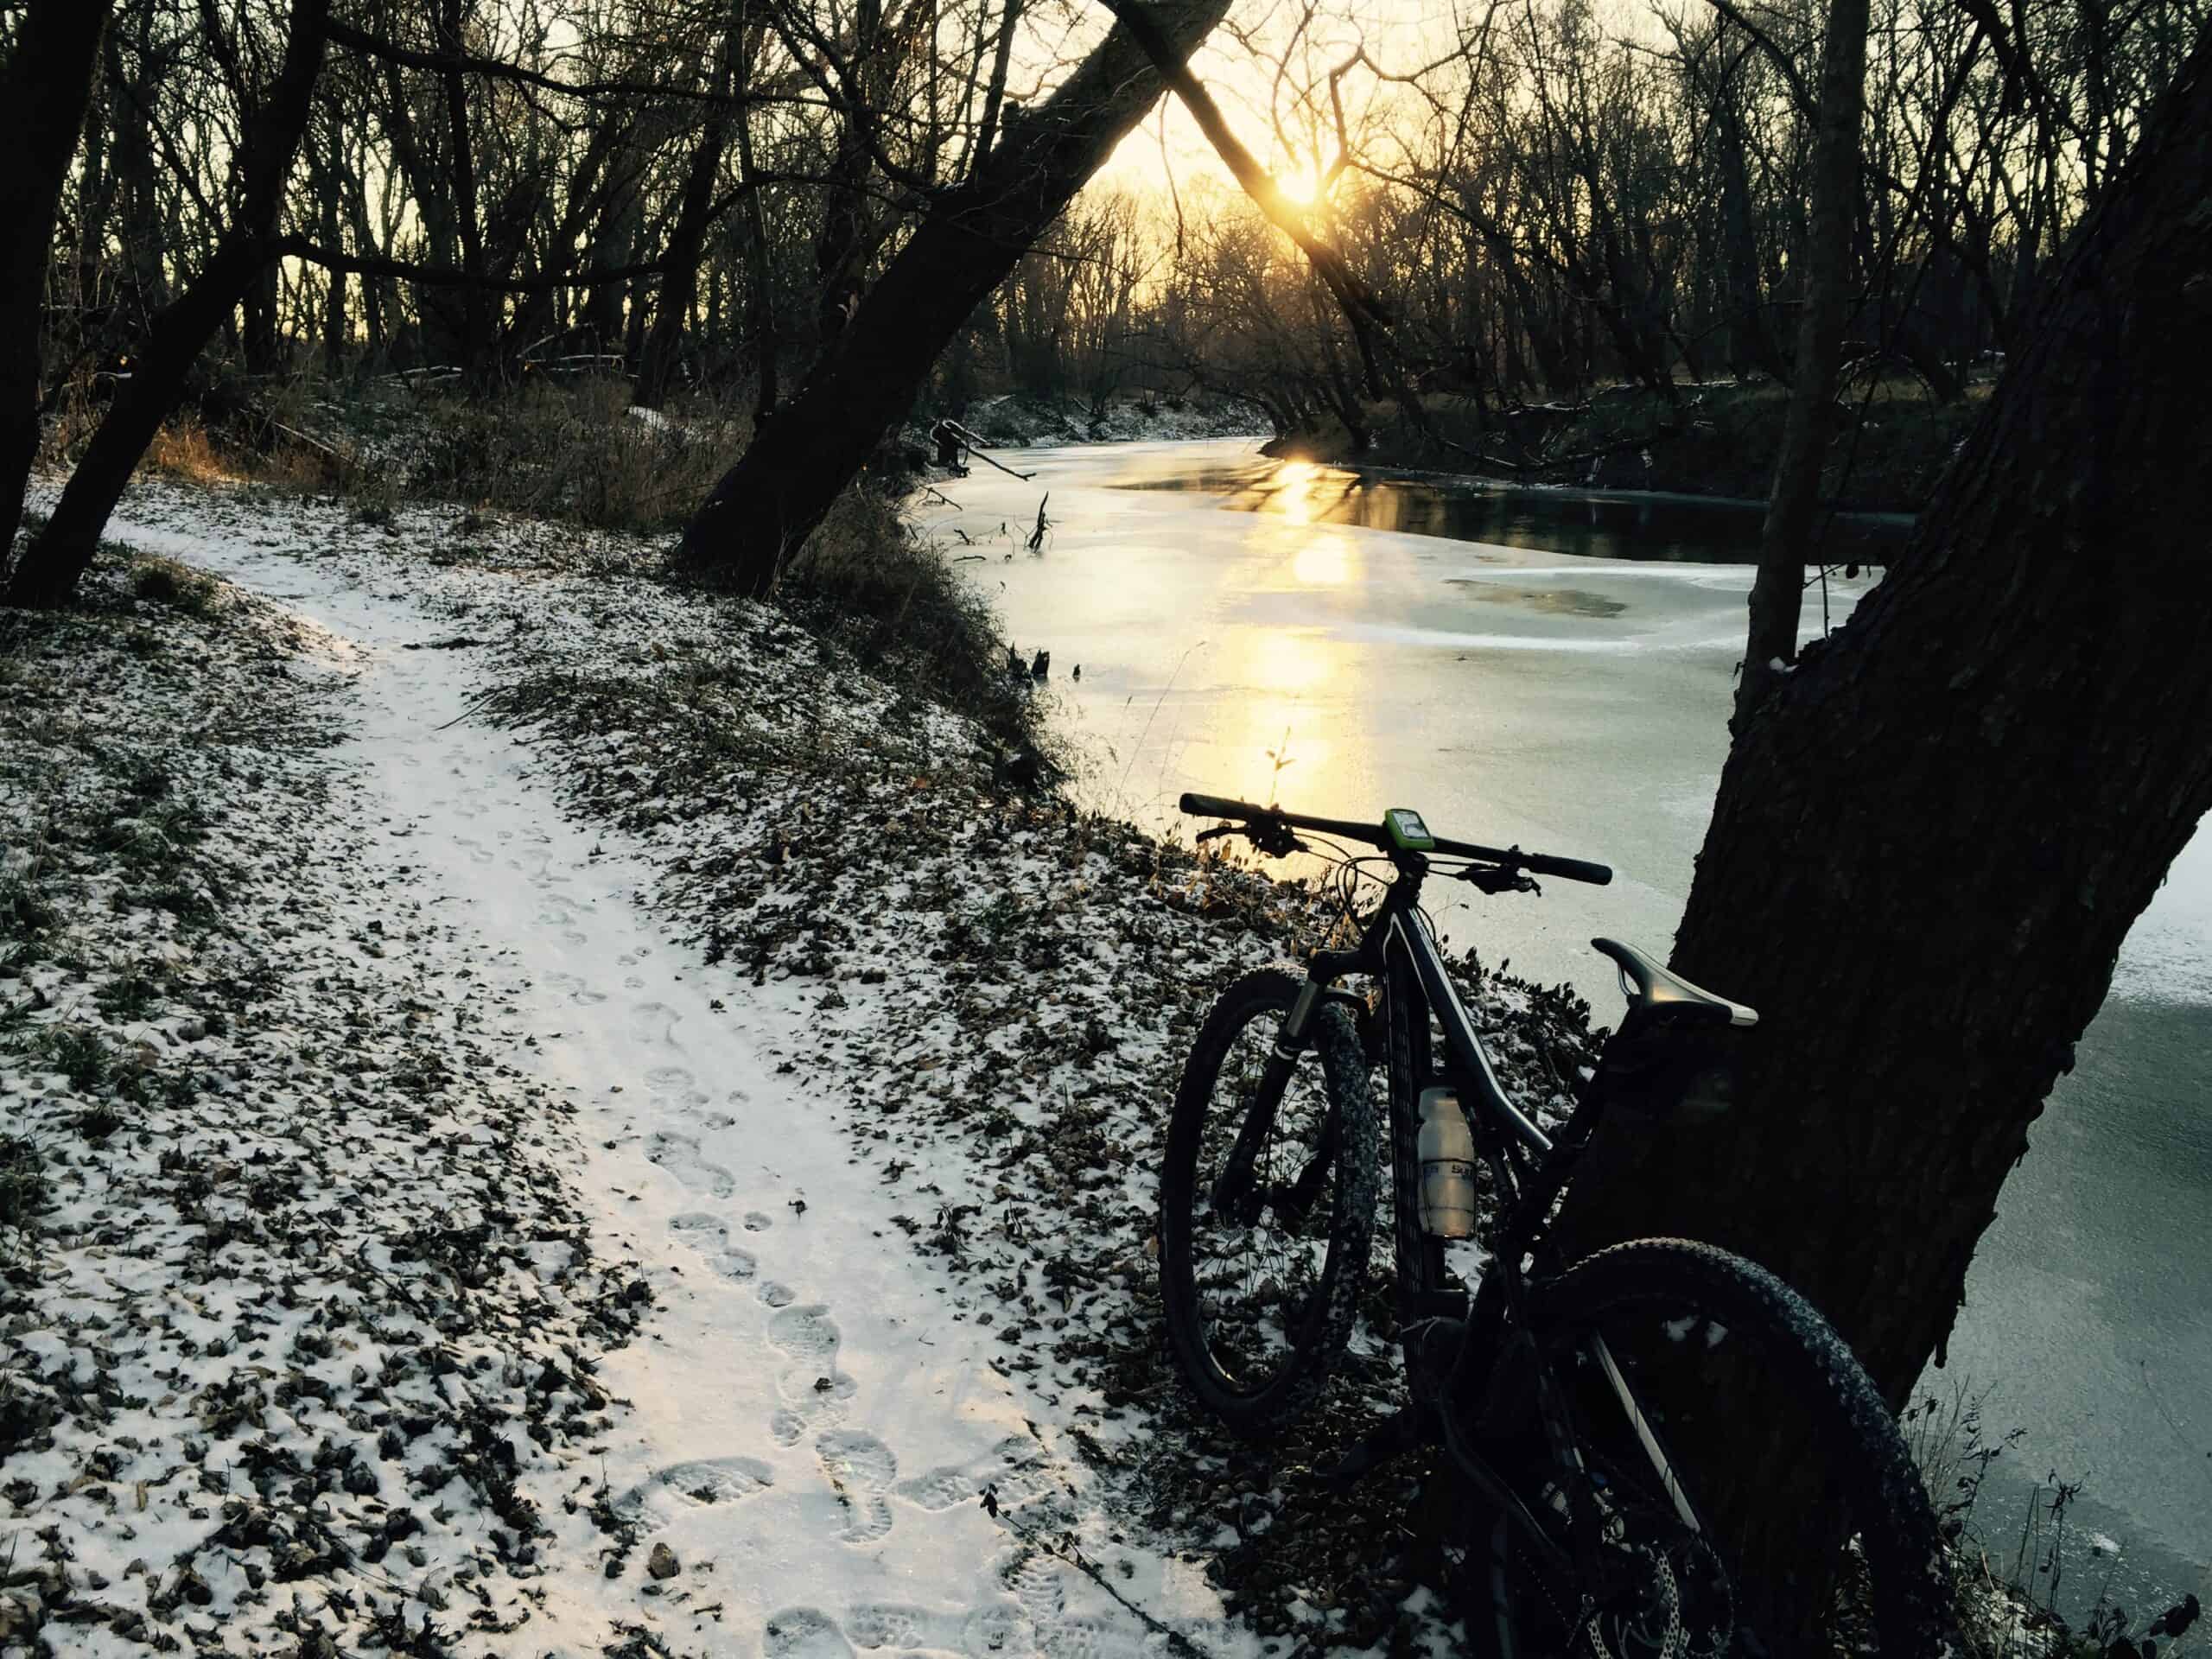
[
  {"x": 182, "y": 449},
  {"x": 25, "y": 916},
  {"x": 164, "y": 581},
  {"x": 24, "y": 1191},
  {"x": 78, "y": 1053},
  {"x": 577, "y": 452},
  {"x": 865, "y": 581}
]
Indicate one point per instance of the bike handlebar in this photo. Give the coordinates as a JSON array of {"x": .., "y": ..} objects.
[{"x": 1512, "y": 858}]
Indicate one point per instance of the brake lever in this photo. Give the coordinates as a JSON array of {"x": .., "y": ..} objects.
[
  {"x": 1498, "y": 879},
  {"x": 1272, "y": 837}
]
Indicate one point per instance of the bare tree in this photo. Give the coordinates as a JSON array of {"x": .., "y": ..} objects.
[
  {"x": 766, "y": 505},
  {"x": 1777, "y": 589},
  {"x": 44, "y": 89},
  {"x": 48, "y": 572}
]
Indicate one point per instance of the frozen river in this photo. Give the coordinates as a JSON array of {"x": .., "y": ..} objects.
[{"x": 1565, "y": 686}]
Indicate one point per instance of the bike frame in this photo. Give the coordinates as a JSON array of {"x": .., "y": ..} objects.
[{"x": 1399, "y": 931}]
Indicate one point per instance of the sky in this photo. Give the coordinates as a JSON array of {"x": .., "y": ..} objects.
[{"x": 1260, "y": 90}]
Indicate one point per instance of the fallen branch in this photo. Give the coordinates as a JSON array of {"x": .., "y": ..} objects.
[{"x": 975, "y": 447}]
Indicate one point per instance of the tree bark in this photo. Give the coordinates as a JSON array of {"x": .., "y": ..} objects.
[
  {"x": 43, "y": 94},
  {"x": 760, "y": 297},
  {"x": 1778, "y": 588},
  {"x": 1750, "y": 346},
  {"x": 680, "y": 285},
  {"x": 47, "y": 573},
  {"x": 453, "y": 16},
  {"x": 766, "y": 505},
  {"x": 1931, "y": 840}
]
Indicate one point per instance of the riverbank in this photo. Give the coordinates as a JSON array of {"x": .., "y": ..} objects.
[
  {"x": 1718, "y": 439},
  {"x": 1567, "y": 687},
  {"x": 850, "y": 1054},
  {"x": 849, "y": 1058}
]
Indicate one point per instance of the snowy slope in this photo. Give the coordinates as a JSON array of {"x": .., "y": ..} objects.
[{"x": 867, "y": 1064}]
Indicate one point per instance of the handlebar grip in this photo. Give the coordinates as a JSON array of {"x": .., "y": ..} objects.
[
  {"x": 1570, "y": 869},
  {"x": 1215, "y": 806}
]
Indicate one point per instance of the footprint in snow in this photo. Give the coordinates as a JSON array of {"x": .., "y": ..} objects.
[
  {"x": 654, "y": 1022},
  {"x": 477, "y": 851},
  {"x": 757, "y": 1223},
  {"x": 980, "y": 1633},
  {"x": 811, "y": 1401},
  {"x": 777, "y": 1293},
  {"x": 1037, "y": 1583},
  {"x": 807, "y": 1334},
  {"x": 573, "y": 988},
  {"x": 860, "y": 1468},
  {"x": 679, "y": 1155},
  {"x": 662, "y": 1496},
  {"x": 993, "y": 1629},
  {"x": 706, "y": 1234},
  {"x": 1014, "y": 1471},
  {"x": 803, "y": 1633}
]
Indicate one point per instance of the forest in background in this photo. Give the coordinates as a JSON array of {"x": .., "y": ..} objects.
[{"x": 1557, "y": 197}]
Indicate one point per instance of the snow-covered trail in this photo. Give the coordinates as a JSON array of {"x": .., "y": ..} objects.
[{"x": 811, "y": 1435}]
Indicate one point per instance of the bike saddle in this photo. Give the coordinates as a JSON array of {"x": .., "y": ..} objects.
[{"x": 1666, "y": 995}]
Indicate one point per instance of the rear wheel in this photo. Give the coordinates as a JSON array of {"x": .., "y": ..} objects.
[
  {"x": 1785, "y": 1462},
  {"x": 1258, "y": 1285}
]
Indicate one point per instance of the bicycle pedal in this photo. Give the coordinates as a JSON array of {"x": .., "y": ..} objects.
[{"x": 1407, "y": 1429}]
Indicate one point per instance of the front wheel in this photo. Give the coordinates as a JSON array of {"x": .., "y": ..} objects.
[
  {"x": 1258, "y": 1273},
  {"x": 1747, "y": 1490}
]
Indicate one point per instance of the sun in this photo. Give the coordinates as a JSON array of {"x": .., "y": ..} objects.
[{"x": 1299, "y": 184}]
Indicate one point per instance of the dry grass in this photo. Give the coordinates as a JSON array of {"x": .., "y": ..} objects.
[
  {"x": 182, "y": 449},
  {"x": 575, "y": 452},
  {"x": 164, "y": 581}
]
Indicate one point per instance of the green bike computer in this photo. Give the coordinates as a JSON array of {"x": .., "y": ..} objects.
[{"x": 1407, "y": 832}]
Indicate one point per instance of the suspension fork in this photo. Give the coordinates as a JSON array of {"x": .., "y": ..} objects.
[{"x": 1235, "y": 1195}]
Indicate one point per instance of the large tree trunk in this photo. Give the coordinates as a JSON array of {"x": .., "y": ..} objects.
[
  {"x": 48, "y": 571},
  {"x": 44, "y": 92},
  {"x": 1778, "y": 588},
  {"x": 453, "y": 17},
  {"x": 1931, "y": 839},
  {"x": 768, "y": 504},
  {"x": 759, "y": 293},
  {"x": 679, "y": 283},
  {"x": 1750, "y": 343}
]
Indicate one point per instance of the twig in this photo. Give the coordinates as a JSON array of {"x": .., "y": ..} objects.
[
  {"x": 1066, "y": 1550},
  {"x": 476, "y": 706}
]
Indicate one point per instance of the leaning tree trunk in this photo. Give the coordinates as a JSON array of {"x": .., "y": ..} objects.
[
  {"x": 44, "y": 92},
  {"x": 768, "y": 504},
  {"x": 1932, "y": 838},
  {"x": 48, "y": 571},
  {"x": 1778, "y": 588},
  {"x": 679, "y": 283}
]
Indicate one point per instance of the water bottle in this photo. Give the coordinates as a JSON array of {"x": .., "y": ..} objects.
[{"x": 1447, "y": 1167}]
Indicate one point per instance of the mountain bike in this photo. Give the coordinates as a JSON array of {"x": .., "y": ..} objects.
[{"x": 1627, "y": 1425}]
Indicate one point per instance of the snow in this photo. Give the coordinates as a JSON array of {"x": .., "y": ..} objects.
[
  {"x": 720, "y": 975},
  {"x": 809, "y": 1435}
]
